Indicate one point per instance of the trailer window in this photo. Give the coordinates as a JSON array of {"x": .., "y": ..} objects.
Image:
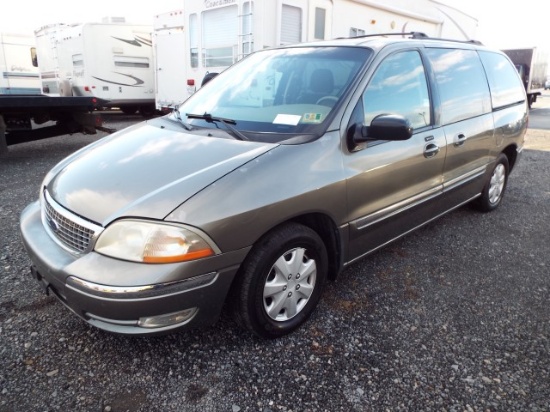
[
  {"x": 127, "y": 61},
  {"x": 291, "y": 24},
  {"x": 193, "y": 40},
  {"x": 320, "y": 18},
  {"x": 219, "y": 31},
  {"x": 78, "y": 60},
  {"x": 34, "y": 57}
]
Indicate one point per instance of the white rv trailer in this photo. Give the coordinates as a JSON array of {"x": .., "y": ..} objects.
[
  {"x": 207, "y": 36},
  {"x": 110, "y": 60},
  {"x": 17, "y": 73}
]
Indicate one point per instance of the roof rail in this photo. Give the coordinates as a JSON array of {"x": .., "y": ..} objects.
[{"x": 415, "y": 35}]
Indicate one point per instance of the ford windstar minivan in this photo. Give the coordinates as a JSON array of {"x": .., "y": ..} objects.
[{"x": 276, "y": 175}]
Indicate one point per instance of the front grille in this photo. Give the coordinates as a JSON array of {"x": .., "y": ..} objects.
[{"x": 66, "y": 227}]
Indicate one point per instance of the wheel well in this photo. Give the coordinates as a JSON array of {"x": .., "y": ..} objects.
[
  {"x": 328, "y": 232},
  {"x": 512, "y": 155}
]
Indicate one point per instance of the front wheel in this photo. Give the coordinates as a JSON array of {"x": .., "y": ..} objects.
[
  {"x": 281, "y": 281},
  {"x": 494, "y": 189}
]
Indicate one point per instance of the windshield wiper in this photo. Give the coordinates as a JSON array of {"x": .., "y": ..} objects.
[
  {"x": 213, "y": 119},
  {"x": 177, "y": 115}
]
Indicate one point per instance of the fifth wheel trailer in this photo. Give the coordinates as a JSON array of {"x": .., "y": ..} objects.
[
  {"x": 18, "y": 75},
  {"x": 207, "y": 36},
  {"x": 112, "y": 60}
]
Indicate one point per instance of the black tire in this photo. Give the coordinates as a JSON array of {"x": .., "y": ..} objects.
[
  {"x": 147, "y": 110},
  {"x": 129, "y": 109},
  {"x": 495, "y": 187},
  {"x": 264, "y": 271}
]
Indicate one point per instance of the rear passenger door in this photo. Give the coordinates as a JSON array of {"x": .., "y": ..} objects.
[
  {"x": 465, "y": 114},
  {"x": 394, "y": 186}
]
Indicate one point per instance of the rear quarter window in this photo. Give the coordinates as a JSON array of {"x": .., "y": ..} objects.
[
  {"x": 461, "y": 82},
  {"x": 504, "y": 82}
]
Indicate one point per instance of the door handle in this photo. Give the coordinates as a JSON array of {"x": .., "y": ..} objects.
[
  {"x": 460, "y": 139},
  {"x": 430, "y": 150}
]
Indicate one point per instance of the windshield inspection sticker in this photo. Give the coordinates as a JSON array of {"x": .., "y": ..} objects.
[
  {"x": 313, "y": 118},
  {"x": 288, "y": 119}
]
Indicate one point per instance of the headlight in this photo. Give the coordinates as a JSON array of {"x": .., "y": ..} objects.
[{"x": 152, "y": 242}]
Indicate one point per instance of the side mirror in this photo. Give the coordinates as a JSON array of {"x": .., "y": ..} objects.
[{"x": 382, "y": 127}]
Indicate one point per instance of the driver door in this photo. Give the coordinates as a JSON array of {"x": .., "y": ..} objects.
[{"x": 394, "y": 186}]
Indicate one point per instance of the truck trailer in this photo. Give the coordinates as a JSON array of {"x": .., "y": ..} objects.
[
  {"x": 112, "y": 61},
  {"x": 205, "y": 37},
  {"x": 531, "y": 64},
  {"x": 25, "y": 113}
]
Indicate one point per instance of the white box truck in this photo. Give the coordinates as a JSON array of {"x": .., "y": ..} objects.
[
  {"x": 112, "y": 60},
  {"x": 18, "y": 75},
  {"x": 207, "y": 36},
  {"x": 532, "y": 66}
]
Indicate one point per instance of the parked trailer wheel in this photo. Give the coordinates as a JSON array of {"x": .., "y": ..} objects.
[
  {"x": 147, "y": 110},
  {"x": 129, "y": 109}
]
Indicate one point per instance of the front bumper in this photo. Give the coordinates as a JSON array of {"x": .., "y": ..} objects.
[{"x": 128, "y": 297}]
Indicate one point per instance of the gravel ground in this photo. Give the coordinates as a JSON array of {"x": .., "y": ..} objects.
[{"x": 453, "y": 317}]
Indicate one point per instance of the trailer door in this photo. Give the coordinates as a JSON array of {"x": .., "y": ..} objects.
[{"x": 170, "y": 71}]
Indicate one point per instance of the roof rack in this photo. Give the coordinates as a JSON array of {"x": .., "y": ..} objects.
[{"x": 416, "y": 35}]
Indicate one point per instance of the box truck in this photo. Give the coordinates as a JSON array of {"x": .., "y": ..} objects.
[
  {"x": 112, "y": 60},
  {"x": 207, "y": 36},
  {"x": 532, "y": 66}
]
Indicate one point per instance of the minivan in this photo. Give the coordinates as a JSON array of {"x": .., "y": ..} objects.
[{"x": 275, "y": 176}]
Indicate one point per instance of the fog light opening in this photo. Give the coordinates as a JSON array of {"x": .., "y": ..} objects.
[{"x": 169, "y": 319}]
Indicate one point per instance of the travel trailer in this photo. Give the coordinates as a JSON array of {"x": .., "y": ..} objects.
[
  {"x": 17, "y": 73},
  {"x": 112, "y": 60},
  {"x": 207, "y": 36}
]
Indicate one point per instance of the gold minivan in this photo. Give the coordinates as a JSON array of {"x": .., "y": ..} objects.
[{"x": 276, "y": 175}]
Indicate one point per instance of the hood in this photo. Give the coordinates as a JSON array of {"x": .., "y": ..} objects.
[{"x": 145, "y": 171}]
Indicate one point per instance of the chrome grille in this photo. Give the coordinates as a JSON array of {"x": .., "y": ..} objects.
[{"x": 67, "y": 228}]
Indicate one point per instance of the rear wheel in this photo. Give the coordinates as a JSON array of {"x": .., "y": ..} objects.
[
  {"x": 281, "y": 281},
  {"x": 147, "y": 110},
  {"x": 129, "y": 109},
  {"x": 494, "y": 189}
]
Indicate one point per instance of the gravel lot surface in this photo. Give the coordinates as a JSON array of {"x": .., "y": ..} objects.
[{"x": 454, "y": 317}]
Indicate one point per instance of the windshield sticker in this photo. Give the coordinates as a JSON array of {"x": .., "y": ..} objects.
[
  {"x": 313, "y": 117},
  {"x": 288, "y": 119}
]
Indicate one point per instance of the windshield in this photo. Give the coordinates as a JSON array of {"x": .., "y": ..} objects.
[{"x": 273, "y": 95}]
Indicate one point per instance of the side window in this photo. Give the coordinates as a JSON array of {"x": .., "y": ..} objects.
[
  {"x": 504, "y": 82},
  {"x": 461, "y": 82},
  {"x": 399, "y": 87},
  {"x": 194, "y": 40},
  {"x": 34, "y": 57}
]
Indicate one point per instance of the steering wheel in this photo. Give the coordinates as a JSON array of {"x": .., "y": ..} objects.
[{"x": 328, "y": 101}]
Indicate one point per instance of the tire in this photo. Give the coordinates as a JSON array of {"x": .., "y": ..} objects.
[
  {"x": 147, "y": 110},
  {"x": 129, "y": 109},
  {"x": 280, "y": 282},
  {"x": 495, "y": 187}
]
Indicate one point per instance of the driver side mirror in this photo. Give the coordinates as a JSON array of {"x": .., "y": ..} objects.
[{"x": 383, "y": 127}]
